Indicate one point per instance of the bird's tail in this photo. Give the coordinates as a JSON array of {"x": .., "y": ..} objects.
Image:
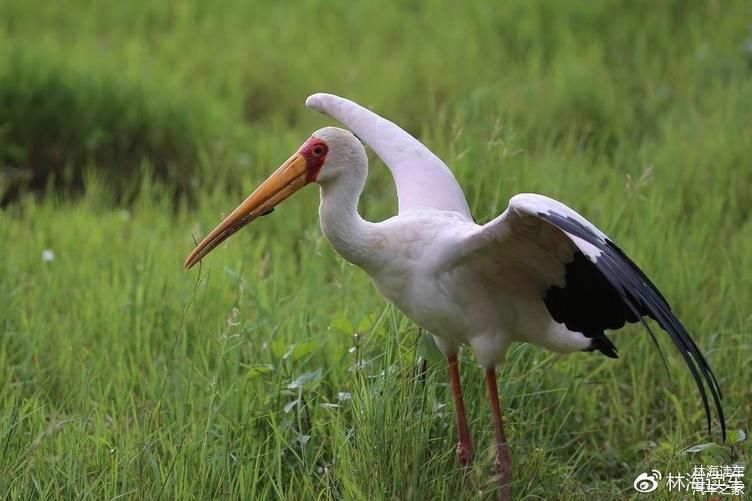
[{"x": 604, "y": 345}]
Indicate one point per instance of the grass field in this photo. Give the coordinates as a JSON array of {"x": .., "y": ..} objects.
[{"x": 276, "y": 370}]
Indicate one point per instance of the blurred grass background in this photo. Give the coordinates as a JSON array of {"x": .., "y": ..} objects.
[{"x": 127, "y": 130}]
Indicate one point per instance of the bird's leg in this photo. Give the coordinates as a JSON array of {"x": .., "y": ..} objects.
[
  {"x": 503, "y": 453},
  {"x": 465, "y": 444}
]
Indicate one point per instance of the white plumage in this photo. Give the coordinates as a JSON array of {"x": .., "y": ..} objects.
[
  {"x": 538, "y": 273},
  {"x": 422, "y": 179}
]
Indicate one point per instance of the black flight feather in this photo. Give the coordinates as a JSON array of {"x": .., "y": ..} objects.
[{"x": 638, "y": 298}]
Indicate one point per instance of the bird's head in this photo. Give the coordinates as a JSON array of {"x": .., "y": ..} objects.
[{"x": 326, "y": 156}]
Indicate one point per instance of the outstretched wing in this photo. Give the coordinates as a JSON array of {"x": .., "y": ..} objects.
[
  {"x": 422, "y": 179},
  {"x": 587, "y": 283}
]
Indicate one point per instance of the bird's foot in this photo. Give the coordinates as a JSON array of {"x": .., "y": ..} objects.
[
  {"x": 503, "y": 465},
  {"x": 465, "y": 454}
]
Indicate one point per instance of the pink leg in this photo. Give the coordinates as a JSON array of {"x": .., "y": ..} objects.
[
  {"x": 465, "y": 444},
  {"x": 503, "y": 453}
]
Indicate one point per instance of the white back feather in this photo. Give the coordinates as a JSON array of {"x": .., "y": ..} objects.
[{"x": 422, "y": 179}]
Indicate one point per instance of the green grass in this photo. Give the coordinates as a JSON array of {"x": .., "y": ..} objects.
[
  {"x": 276, "y": 370},
  {"x": 60, "y": 118}
]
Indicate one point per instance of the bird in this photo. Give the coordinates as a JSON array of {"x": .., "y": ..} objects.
[{"x": 538, "y": 273}]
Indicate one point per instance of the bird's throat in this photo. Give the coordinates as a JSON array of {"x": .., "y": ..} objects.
[{"x": 341, "y": 223}]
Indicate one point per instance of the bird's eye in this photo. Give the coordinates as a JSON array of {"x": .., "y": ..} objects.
[{"x": 318, "y": 150}]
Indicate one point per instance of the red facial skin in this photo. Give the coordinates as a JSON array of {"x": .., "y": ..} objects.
[{"x": 314, "y": 151}]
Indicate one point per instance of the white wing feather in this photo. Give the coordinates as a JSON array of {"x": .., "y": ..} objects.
[
  {"x": 422, "y": 179},
  {"x": 519, "y": 250}
]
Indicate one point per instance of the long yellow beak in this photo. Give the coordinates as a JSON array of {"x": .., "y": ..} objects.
[{"x": 286, "y": 180}]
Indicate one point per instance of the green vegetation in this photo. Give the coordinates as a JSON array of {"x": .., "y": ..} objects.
[
  {"x": 276, "y": 370},
  {"x": 59, "y": 120}
]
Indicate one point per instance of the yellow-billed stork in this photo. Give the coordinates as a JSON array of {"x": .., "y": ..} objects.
[{"x": 538, "y": 273}]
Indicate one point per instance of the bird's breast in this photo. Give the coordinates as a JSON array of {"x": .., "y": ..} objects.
[
  {"x": 407, "y": 266},
  {"x": 454, "y": 307}
]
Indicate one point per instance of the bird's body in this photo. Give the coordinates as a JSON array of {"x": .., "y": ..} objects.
[
  {"x": 409, "y": 259},
  {"x": 414, "y": 260},
  {"x": 538, "y": 273},
  {"x": 456, "y": 304}
]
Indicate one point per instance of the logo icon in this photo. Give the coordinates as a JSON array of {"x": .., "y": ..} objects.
[{"x": 647, "y": 482}]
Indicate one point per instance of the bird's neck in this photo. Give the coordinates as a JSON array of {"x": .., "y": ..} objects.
[{"x": 342, "y": 225}]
